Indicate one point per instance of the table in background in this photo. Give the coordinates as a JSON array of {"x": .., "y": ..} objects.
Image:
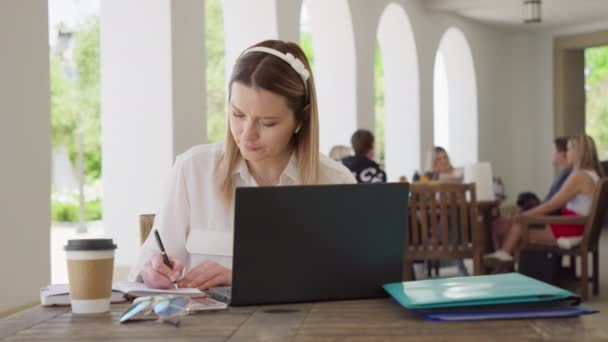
[{"x": 360, "y": 320}]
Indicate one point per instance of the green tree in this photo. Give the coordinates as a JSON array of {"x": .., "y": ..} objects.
[
  {"x": 596, "y": 86},
  {"x": 86, "y": 56},
  {"x": 216, "y": 79},
  {"x": 75, "y": 119},
  {"x": 306, "y": 45},
  {"x": 75, "y": 99}
]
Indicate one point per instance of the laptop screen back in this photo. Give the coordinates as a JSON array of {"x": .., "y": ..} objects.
[{"x": 322, "y": 242}]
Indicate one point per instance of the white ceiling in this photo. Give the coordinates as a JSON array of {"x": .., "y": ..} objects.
[{"x": 509, "y": 13}]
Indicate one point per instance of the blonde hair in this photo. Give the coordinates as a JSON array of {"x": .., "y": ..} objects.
[
  {"x": 340, "y": 151},
  {"x": 435, "y": 152},
  {"x": 586, "y": 154},
  {"x": 265, "y": 71}
]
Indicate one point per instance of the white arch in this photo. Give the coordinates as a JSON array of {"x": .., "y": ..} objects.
[
  {"x": 334, "y": 70},
  {"x": 401, "y": 93},
  {"x": 460, "y": 105}
]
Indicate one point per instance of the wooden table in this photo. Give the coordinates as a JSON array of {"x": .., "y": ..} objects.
[{"x": 362, "y": 320}]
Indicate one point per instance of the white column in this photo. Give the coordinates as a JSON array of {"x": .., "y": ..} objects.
[
  {"x": 401, "y": 93},
  {"x": 288, "y": 16},
  {"x": 335, "y": 70},
  {"x": 365, "y": 17},
  {"x": 247, "y": 22},
  {"x": 25, "y": 146},
  {"x": 462, "y": 93},
  {"x": 152, "y": 102}
]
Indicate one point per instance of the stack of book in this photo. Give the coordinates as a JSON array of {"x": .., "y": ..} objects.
[{"x": 501, "y": 296}]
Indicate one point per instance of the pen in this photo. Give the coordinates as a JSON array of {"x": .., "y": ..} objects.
[{"x": 163, "y": 253}]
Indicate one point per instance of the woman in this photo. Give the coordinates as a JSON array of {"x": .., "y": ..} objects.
[
  {"x": 272, "y": 139},
  {"x": 442, "y": 168},
  {"x": 574, "y": 197}
]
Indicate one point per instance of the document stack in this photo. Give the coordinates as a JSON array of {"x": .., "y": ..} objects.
[{"x": 501, "y": 296}]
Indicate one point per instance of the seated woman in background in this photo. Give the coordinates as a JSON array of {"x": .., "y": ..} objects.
[
  {"x": 574, "y": 198},
  {"x": 442, "y": 168}
]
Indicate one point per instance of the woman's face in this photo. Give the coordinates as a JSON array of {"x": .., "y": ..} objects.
[
  {"x": 572, "y": 153},
  {"x": 442, "y": 162},
  {"x": 260, "y": 122}
]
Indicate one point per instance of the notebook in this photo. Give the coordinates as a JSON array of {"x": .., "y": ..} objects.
[
  {"x": 137, "y": 289},
  {"x": 476, "y": 290},
  {"x": 59, "y": 294}
]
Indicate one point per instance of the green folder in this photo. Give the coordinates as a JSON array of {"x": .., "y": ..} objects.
[{"x": 476, "y": 290}]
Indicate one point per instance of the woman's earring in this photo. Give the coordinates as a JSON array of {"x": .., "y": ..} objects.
[{"x": 298, "y": 128}]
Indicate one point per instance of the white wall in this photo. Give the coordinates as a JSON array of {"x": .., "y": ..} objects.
[
  {"x": 25, "y": 146},
  {"x": 334, "y": 70},
  {"x": 532, "y": 105}
]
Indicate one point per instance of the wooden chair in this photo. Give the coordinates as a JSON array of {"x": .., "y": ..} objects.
[
  {"x": 146, "y": 221},
  {"x": 443, "y": 225},
  {"x": 594, "y": 222}
]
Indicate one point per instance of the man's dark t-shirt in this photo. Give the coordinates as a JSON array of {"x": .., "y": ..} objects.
[
  {"x": 364, "y": 169},
  {"x": 557, "y": 183}
]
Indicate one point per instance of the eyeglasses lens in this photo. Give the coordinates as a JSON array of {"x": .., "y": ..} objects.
[
  {"x": 137, "y": 309},
  {"x": 171, "y": 307}
]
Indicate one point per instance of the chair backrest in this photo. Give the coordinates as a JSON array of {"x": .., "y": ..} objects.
[
  {"x": 598, "y": 214},
  {"x": 146, "y": 221},
  {"x": 443, "y": 215}
]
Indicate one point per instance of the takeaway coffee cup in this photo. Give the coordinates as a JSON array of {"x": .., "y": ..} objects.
[{"x": 90, "y": 267}]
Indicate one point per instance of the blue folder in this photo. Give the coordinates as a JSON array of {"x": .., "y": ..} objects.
[
  {"x": 573, "y": 311},
  {"x": 471, "y": 291}
]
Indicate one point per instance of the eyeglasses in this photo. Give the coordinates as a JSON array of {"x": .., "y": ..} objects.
[{"x": 169, "y": 309}]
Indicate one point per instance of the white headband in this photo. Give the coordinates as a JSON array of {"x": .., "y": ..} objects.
[{"x": 295, "y": 63}]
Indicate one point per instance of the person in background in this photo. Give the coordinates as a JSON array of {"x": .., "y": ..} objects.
[
  {"x": 339, "y": 152},
  {"x": 564, "y": 168},
  {"x": 574, "y": 198},
  {"x": 559, "y": 157},
  {"x": 442, "y": 169},
  {"x": 362, "y": 165}
]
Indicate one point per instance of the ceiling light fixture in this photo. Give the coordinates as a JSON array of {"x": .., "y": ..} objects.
[{"x": 532, "y": 11}]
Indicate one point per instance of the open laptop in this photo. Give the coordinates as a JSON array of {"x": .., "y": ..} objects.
[{"x": 321, "y": 242}]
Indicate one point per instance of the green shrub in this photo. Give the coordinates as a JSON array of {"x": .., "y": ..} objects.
[
  {"x": 92, "y": 210},
  {"x": 68, "y": 212}
]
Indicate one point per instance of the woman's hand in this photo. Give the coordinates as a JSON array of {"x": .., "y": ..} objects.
[
  {"x": 207, "y": 274},
  {"x": 157, "y": 275}
]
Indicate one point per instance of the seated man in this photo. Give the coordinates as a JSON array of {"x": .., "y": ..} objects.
[
  {"x": 361, "y": 164},
  {"x": 560, "y": 160}
]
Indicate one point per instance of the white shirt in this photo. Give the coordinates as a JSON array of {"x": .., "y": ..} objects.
[
  {"x": 581, "y": 203},
  {"x": 195, "y": 222}
]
